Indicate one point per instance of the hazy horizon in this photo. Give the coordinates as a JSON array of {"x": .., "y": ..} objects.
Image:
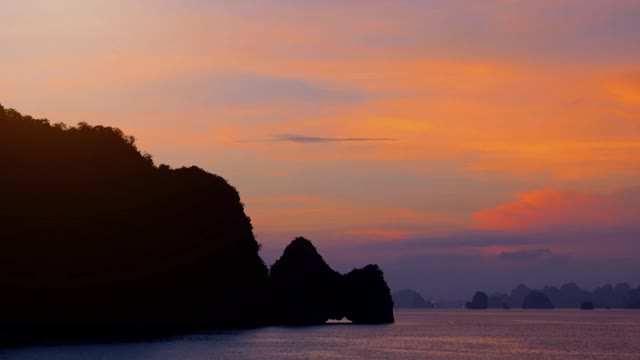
[{"x": 461, "y": 145}]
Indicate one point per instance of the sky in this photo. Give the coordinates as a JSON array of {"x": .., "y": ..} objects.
[{"x": 460, "y": 144}]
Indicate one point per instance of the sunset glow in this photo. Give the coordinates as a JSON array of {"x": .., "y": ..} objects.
[{"x": 397, "y": 129}]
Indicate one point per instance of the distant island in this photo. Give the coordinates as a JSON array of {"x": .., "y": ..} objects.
[
  {"x": 568, "y": 296},
  {"x": 480, "y": 301},
  {"x": 410, "y": 299},
  {"x": 98, "y": 242},
  {"x": 587, "y": 305},
  {"x": 537, "y": 300}
]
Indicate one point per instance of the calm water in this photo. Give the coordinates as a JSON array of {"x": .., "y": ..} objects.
[{"x": 419, "y": 334}]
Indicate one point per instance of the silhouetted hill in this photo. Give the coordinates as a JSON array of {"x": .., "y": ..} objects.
[
  {"x": 632, "y": 299},
  {"x": 480, "y": 301},
  {"x": 306, "y": 291},
  {"x": 98, "y": 242},
  {"x": 620, "y": 291},
  {"x": 569, "y": 296},
  {"x": 537, "y": 300},
  {"x": 410, "y": 299},
  {"x": 449, "y": 304},
  {"x": 499, "y": 301},
  {"x": 587, "y": 305},
  {"x": 516, "y": 298},
  {"x": 97, "y": 239},
  {"x": 367, "y": 297},
  {"x": 604, "y": 296}
]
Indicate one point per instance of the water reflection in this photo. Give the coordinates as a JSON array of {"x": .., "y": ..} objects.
[{"x": 417, "y": 334}]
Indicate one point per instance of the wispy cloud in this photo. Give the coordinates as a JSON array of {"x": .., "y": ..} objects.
[
  {"x": 555, "y": 208},
  {"x": 316, "y": 139},
  {"x": 525, "y": 254},
  {"x": 254, "y": 89},
  {"x": 303, "y": 139}
]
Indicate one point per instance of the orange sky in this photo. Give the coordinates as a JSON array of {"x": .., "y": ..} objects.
[{"x": 360, "y": 122}]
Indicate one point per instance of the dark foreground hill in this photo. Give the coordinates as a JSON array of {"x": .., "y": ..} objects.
[
  {"x": 96, "y": 238},
  {"x": 97, "y": 241}
]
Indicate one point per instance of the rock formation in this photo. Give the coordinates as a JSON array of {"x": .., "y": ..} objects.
[
  {"x": 498, "y": 301},
  {"x": 517, "y": 296},
  {"x": 306, "y": 291},
  {"x": 537, "y": 300},
  {"x": 97, "y": 241},
  {"x": 480, "y": 301},
  {"x": 570, "y": 296},
  {"x": 410, "y": 299},
  {"x": 632, "y": 299},
  {"x": 94, "y": 233},
  {"x": 587, "y": 305},
  {"x": 367, "y": 297}
]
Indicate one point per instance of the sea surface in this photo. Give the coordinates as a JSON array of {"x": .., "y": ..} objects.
[{"x": 417, "y": 334}]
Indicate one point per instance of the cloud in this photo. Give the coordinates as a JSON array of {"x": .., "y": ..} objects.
[
  {"x": 553, "y": 208},
  {"x": 288, "y": 201},
  {"x": 440, "y": 263},
  {"x": 229, "y": 94},
  {"x": 375, "y": 234},
  {"x": 451, "y": 272},
  {"x": 457, "y": 242},
  {"x": 525, "y": 254},
  {"x": 279, "y": 219},
  {"x": 453, "y": 275},
  {"x": 302, "y": 139},
  {"x": 625, "y": 88},
  {"x": 253, "y": 89},
  {"x": 567, "y": 221}
]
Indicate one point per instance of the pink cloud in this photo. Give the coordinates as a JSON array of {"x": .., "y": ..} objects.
[
  {"x": 379, "y": 234},
  {"x": 542, "y": 209}
]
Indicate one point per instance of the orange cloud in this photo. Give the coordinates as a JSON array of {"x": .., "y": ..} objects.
[
  {"x": 625, "y": 88},
  {"x": 542, "y": 209},
  {"x": 508, "y": 117},
  {"x": 306, "y": 214},
  {"x": 379, "y": 234},
  {"x": 520, "y": 106},
  {"x": 288, "y": 201}
]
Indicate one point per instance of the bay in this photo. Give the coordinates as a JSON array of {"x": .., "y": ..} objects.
[{"x": 417, "y": 334}]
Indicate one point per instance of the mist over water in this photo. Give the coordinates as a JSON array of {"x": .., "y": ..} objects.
[{"x": 417, "y": 334}]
